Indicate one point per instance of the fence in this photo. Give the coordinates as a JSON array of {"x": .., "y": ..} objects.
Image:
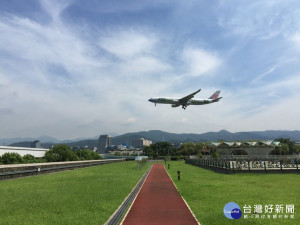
[
  {"x": 258, "y": 157},
  {"x": 21, "y": 170},
  {"x": 289, "y": 166}
]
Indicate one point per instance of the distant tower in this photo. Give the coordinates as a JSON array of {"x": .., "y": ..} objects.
[
  {"x": 35, "y": 144},
  {"x": 104, "y": 141}
]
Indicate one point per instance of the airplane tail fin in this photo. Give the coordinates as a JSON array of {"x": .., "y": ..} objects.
[{"x": 215, "y": 95}]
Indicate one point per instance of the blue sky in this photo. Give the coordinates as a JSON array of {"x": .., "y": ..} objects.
[{"x": 73, "y": 69}]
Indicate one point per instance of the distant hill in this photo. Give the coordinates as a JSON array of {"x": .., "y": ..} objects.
[
  {"x": 26, "y": 144},
  {"x": 46, "y": 140},
  {"x": 158, "y": 135},
  {"x": 223, "y": 135},
  {"x": 14, "y": 141},
  {"x": 42, "y": 139},
  {"x": 8, "y": 141}
]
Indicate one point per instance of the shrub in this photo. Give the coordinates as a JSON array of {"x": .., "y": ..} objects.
[
  {"x": 215, "y": 155},
  {"x": 60, "y": 153},
  {"x": 87, "y": 154},
  {"x": 84, "y": 154},
  {"x": 200, "y": 155},
  {"x": 40, "y": 160},
  {"x": 11, "y": 158},
  {"x": 95, "y": 155},
  {"x": 29, "y": 158}
]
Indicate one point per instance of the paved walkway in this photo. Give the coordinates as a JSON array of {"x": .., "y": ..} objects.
[{"x": 159, "y": 202}]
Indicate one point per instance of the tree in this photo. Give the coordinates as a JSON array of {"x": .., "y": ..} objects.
[
  {"x": 160, "y": 149},
  {"x": 163, "y": 149},
  {"x": 199, "y": 147},
  {"x": 200, "y": 155},
  {"x": 292, "y": 147},
  {"x": 239, "y": 152},
  {"x": 188, "y": 149},
  {"x": 60, "y": 153},
  {"x": 148, "y": 151},
  {"x": 296, "y": 149},
  {"x": 276, "y": 151},
  {"x": 95, "y": 156},
  {"x": 284, "y": 149},
  {"x": 86, "y": 154},
  {"x": 28, "y": 158},
  {"x": 11, "y": 158},
  {"x": 215, "y": 155}
]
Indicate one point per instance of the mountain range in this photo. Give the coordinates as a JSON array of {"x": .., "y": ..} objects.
[{"x": 158, "y": 136}]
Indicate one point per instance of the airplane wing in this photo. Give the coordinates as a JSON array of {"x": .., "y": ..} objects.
[{"x": 185, "y": 99}]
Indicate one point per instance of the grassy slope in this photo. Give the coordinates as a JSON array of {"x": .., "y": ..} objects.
[
  {"x": 207, "y": 193},
  {"x": 83, "y": 196}
]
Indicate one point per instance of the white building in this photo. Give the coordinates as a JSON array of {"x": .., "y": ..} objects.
[
  {"x": 141, "y": 143},
  {"x": 36, "y": 152}
]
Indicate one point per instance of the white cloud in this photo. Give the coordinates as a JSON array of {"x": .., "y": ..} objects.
[
  {"x": 56, "y": 81},
  {"x": 295, "y": 38},
  {"x": 282, "y": 115},
  {"x": 268, "y": 72},
  {"x": 138, "y": 66},
  {"x": 126, "y": 43},
  {"x": 184, "y": 120},
  {"x": 54, "y": 8},
  {"x": 137, "y": 51},
  {"x": 44, "y": 99},
  {"x": 131, "y": 120},
  {"x": 199, "y": 62},
  {"x": 35, "y": 46},
  {"x": 52, "y": 69},
  {"x": 259, "y": 19}
]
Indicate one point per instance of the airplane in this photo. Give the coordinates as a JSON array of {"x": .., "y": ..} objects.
[{"x": 187, "y": 100}]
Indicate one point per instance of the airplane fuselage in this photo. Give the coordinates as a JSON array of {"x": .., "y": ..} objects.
[
  {"x": 187, "y": 100},
  {"x": 175, "y": 101}
]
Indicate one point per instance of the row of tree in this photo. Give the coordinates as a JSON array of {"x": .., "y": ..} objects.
[
  {"x": 286, "y": 147},
  {"x": 185, "y": 149},
  {"x": 15, "y": 158},
  {"x": 59, "y": 153},
  {"x": 62, "y": 152}
]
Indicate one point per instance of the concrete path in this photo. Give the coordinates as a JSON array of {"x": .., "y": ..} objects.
[{"x": 159, "y": 203}]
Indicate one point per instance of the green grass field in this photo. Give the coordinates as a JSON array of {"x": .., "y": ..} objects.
[
  {"x": 207, "y": 192},
  {"x": 83, "y": 196}
]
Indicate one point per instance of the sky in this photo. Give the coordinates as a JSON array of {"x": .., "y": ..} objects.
[{"x": 71, "y": 69}]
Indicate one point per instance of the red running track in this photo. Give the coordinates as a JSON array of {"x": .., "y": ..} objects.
[{"x": 159, "y": 202}]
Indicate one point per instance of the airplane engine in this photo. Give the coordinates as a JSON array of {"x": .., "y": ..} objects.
[{"x": 174, "y": 105}]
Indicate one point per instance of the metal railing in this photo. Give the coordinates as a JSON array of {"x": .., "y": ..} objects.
[
  {"x": 36, "y": 169},
  {"x": 247, "y": 166}
]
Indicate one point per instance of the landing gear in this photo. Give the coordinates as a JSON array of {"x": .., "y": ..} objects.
[{"x": 184, "y": 107}]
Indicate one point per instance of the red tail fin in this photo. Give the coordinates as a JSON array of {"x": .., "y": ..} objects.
[{"x": 215, "y": 95}]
